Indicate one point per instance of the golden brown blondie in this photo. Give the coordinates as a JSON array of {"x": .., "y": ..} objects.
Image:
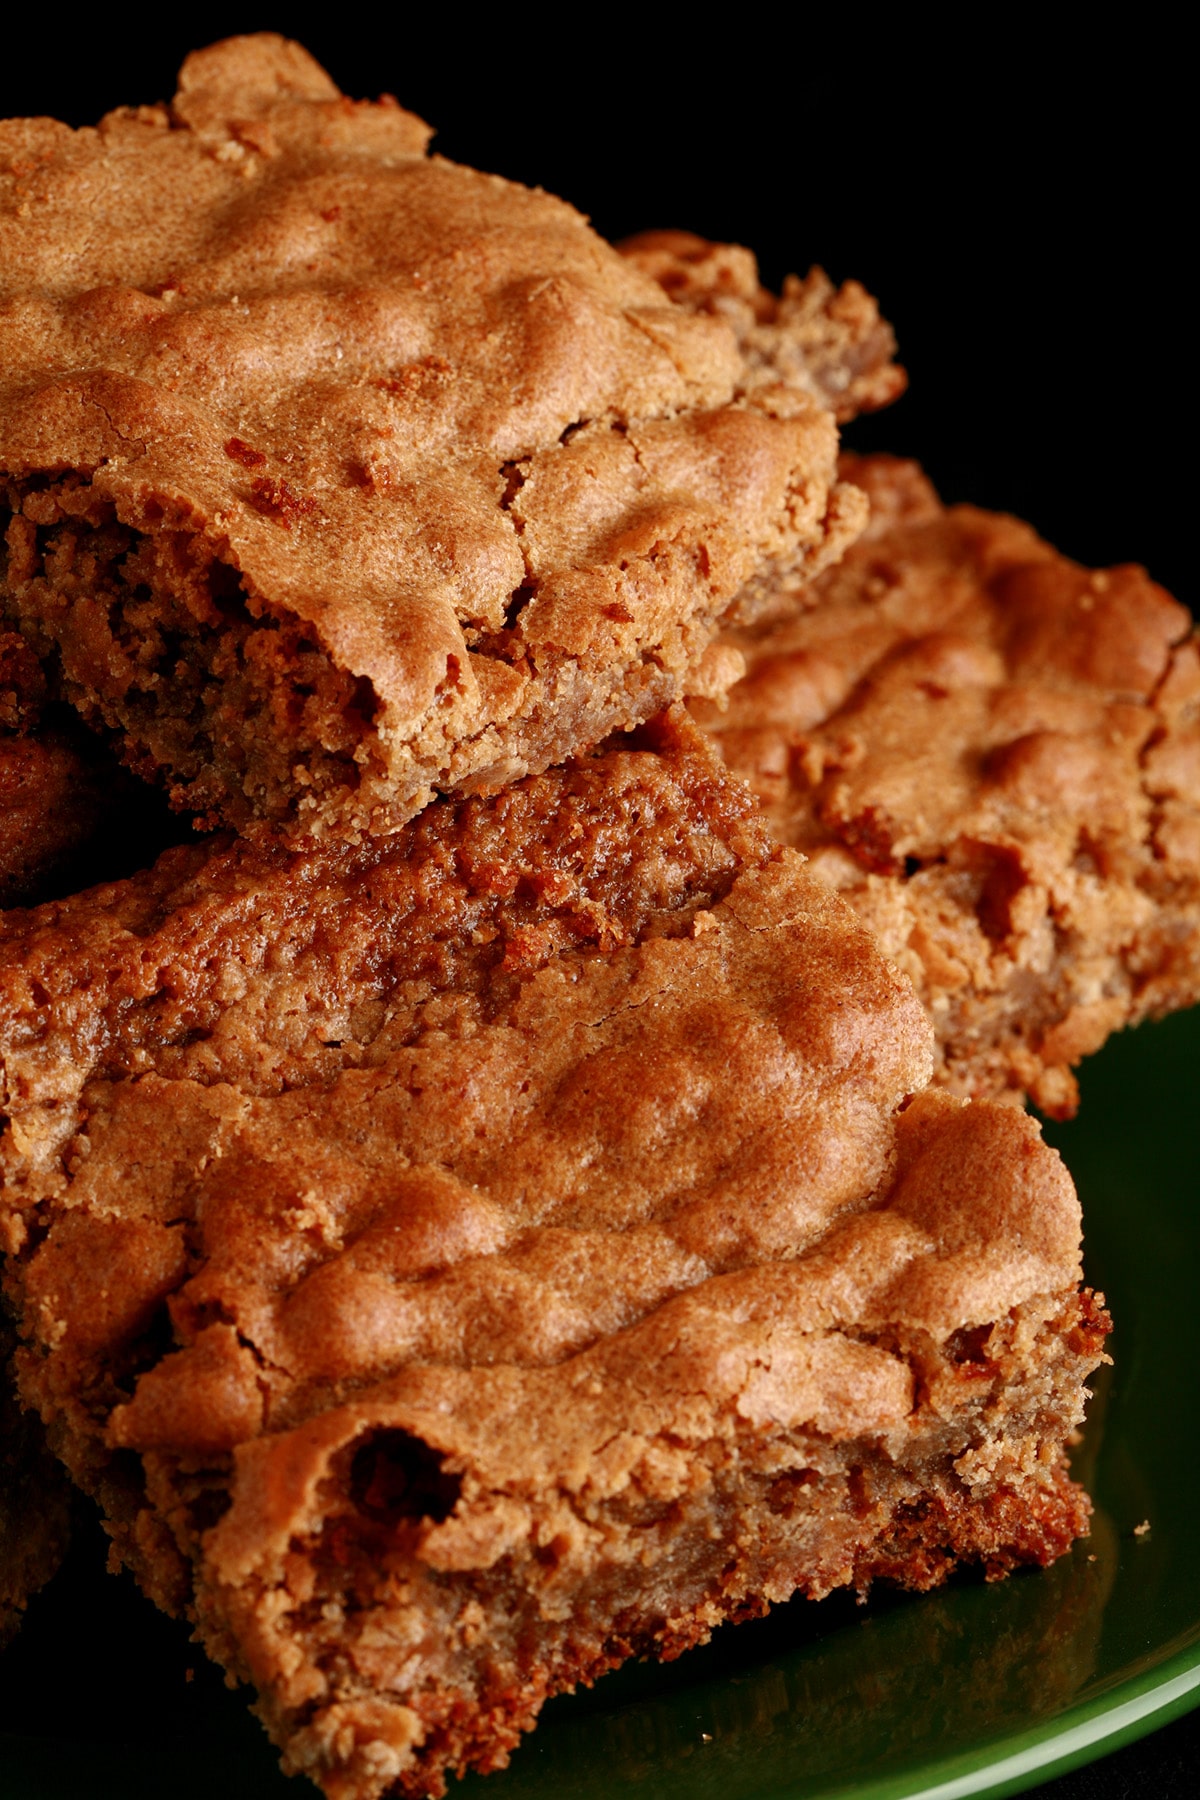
[
  {"x": 994, "y": 755},
  {"x": 461, "y": 1262},
  {"x": 334, "y": 474}
]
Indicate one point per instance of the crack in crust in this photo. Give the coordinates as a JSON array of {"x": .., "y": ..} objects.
[{"x": 992, "y": 753}]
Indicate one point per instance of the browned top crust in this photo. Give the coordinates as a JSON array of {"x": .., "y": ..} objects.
[
  {"x": 426, "y": 417},
  {"x": 479, "y": 1098},
  {"x": 995, "y": 755},
  {"x": 830, "y": 343}
]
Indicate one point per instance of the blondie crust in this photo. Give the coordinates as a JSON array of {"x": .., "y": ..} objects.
[
  {"x": 333, "y": 474},
  {"x": 461, "y": 1262},
  {"x": 994, "y": 755}
]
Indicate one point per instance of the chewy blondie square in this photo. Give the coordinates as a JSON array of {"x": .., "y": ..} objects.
[
  {"x": 333, "y": 474},
  {"x": 994, "y": 755},
  {"x": 461, "y": 1262}
]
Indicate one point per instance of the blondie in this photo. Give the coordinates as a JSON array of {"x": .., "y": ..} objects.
[
  {"x": 333, "y": 474},
  {"x": 461, "y": 1262}
]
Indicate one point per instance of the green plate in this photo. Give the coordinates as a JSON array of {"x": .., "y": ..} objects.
[{"x": 973, "y": 1690}]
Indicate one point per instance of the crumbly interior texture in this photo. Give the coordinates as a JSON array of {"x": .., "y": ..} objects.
[
  {"x": 35, "y": 1506},
  {"x": 461, "y": 1262},
  {"x": 994, "y": 755},
  {"x": 333, "y": 474},
  {"x": 830, "y": 342}
]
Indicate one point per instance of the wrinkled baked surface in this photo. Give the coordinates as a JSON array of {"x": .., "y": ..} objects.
[
  {"x": 408, "y": 1576},
  {"x": 336, "y": 473},
  {"x": 994, "y": 755},
  {"x": 460, "y": 1262},
  {"x": 553, "y": 1026}
]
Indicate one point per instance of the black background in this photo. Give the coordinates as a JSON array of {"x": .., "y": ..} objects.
[{"x": 1017, "y": 195}]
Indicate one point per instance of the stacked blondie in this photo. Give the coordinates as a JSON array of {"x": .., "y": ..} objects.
[{"x": 536, "y": 1176}]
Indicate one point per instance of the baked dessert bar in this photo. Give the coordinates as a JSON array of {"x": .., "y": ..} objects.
[
  {"x": 994, "y": 755},
  {"x": 334, "y": 474},
  {"x": 461, "y": 1262}
]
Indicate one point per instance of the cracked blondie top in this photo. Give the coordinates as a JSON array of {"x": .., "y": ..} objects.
[
  {"x": 994, "y": 755},
  {"x": 334, "y": 474},
  {"x": 460, "y": 1262}
]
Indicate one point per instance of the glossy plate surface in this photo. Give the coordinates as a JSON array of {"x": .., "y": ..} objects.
[{"x": 973, "y": 1690}]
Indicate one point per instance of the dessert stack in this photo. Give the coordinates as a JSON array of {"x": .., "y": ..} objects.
[{"x": 538, "y": 1169}]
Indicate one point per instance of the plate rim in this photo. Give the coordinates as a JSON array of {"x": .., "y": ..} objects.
[{"x": 1128, "y": 1708}]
